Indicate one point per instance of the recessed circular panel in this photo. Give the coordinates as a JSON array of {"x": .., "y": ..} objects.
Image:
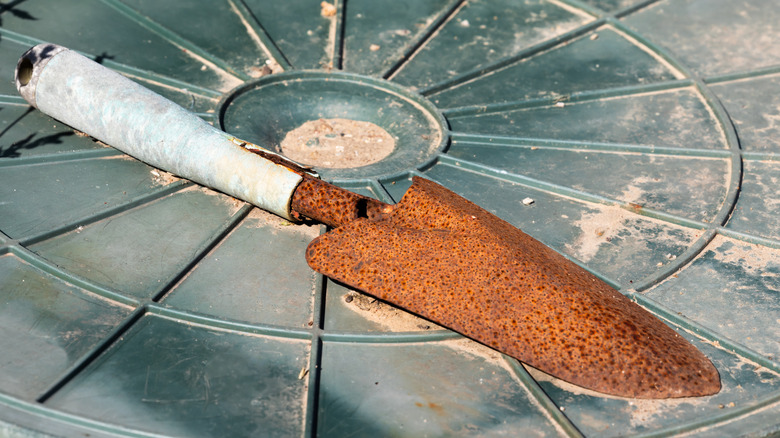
[{"x": 268, "y": 110}]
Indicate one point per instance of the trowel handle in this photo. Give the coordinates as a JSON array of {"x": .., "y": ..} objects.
[{"x": 121, "y": 113}]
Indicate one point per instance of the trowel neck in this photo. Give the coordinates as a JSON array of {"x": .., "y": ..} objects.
[{"x": 331, "y": 205}]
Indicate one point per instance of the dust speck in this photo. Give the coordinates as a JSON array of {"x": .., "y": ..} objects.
[
  {"x": 259, "y": 218},
  {"x": 162, "y": 178},
  {"x": 327, "y": 10},
  {"x": 386, "y": 315}
]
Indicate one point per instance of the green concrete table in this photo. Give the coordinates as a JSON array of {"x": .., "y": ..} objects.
[{"x": 639, "y": 138}]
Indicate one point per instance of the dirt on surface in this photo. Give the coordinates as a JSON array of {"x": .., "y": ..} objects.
[
  {"x": 162, "y": 178},
  {"x": 386, "y": 315},
  {"x": 337, "y": 143}
]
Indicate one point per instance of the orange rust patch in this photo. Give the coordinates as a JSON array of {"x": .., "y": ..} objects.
[
  {"x": 436, "y": 408},
  {"x": 331, "y": 205},
  {"x": 448, "y": 260}
]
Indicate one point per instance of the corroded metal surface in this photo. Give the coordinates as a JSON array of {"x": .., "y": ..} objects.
[
  {"x": 331, "y": 205},
  {"x": 448, "y": 260}
]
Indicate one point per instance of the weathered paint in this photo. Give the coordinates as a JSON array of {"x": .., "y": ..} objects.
[{"x": 139, "y": 122}]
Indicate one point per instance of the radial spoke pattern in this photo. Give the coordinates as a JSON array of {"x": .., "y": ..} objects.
[{"x": 638, "y": 138}]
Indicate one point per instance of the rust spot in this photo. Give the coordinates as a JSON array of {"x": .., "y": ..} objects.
[
  {"x": 332, "y": 205},
  {"x": 272, "y": 157},
  {"x": 437, "y": 408},
  {"x": 434, "y": 251}
]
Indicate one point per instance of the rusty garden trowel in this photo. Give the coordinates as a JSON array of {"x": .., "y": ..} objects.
[{"x": 434, "y": 253}]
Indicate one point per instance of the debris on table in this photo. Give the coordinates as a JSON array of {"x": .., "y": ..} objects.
[{"x": 327, "y": 10}]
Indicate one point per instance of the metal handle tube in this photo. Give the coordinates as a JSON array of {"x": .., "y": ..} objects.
[{"x": 113, "y": 109}]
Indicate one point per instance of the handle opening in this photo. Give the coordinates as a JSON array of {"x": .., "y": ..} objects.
[{"x": 24, "y": 71}]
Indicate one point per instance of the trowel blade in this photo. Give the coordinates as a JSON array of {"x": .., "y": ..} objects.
[{"x": 448, "y": 260}]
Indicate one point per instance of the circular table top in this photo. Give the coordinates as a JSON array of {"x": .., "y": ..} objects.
[{"x": 638, "y": 138}]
